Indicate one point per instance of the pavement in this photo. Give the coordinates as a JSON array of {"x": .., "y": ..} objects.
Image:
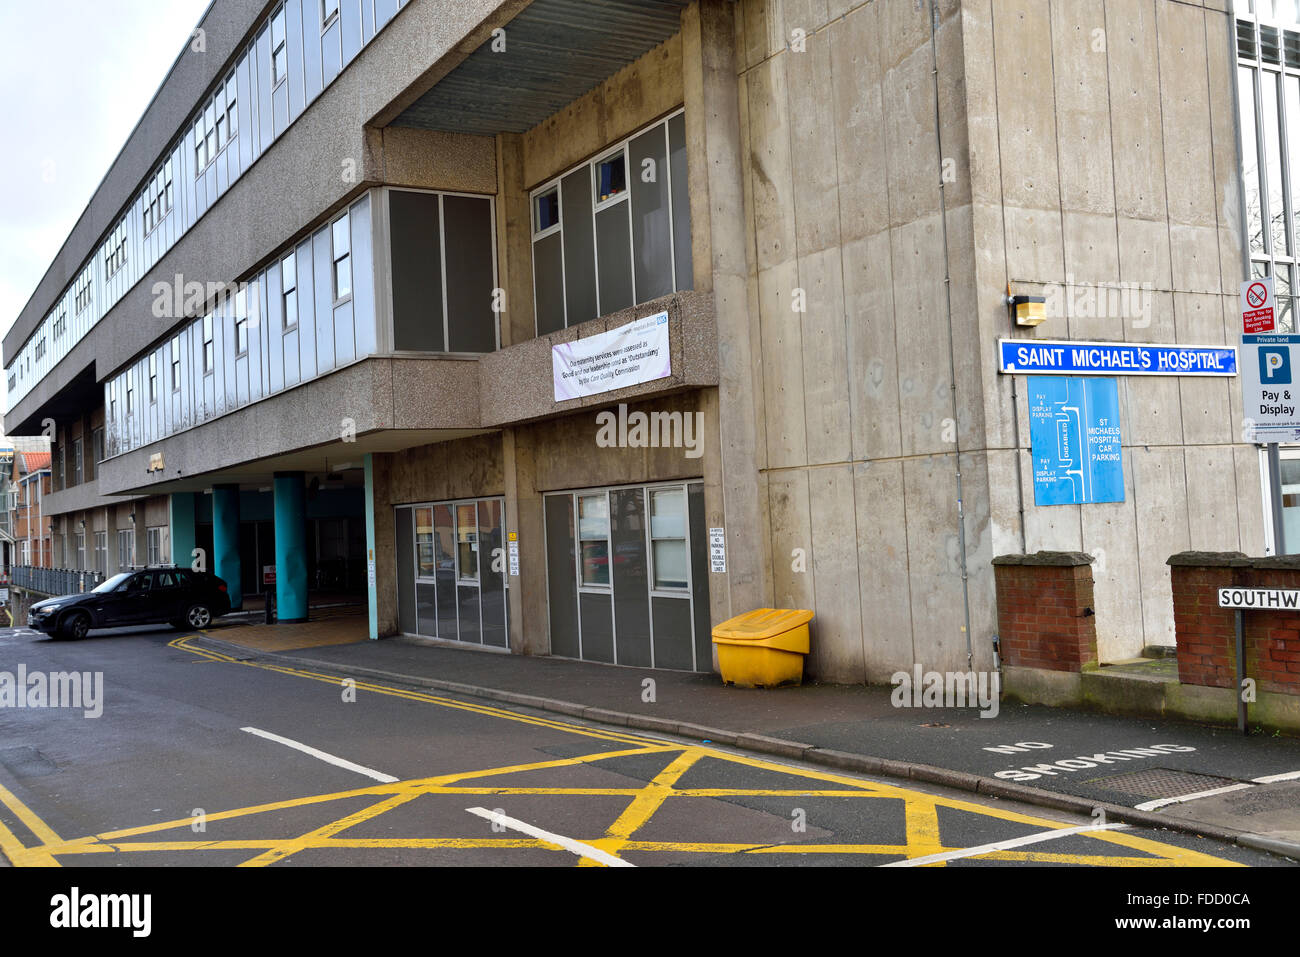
[{"x": 1200, "y": 780}]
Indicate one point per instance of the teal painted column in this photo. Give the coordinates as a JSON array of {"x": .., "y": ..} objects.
[
  {"x": 184, "y": 535},
  {"x": 225, "y": 540},
  {"x": 372, "y": 590},
  {"x": 290, "y": 547}
]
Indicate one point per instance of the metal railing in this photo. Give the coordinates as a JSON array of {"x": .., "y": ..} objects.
[{"x": 53, "y": 581}]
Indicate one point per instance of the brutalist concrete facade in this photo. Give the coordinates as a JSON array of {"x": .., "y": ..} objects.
[{"x": 867, "y": 180}]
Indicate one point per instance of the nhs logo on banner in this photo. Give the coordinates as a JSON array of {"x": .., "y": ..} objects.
[{"x": 1074, "y": 435}]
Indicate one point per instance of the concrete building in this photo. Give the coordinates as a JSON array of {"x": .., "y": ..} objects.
[{"x": 313, "y": 328}]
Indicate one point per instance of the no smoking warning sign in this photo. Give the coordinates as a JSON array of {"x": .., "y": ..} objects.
[{"x": 1257, "y": 312}]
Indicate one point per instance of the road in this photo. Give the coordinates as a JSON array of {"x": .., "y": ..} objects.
[{"x": 202, "y": 759}]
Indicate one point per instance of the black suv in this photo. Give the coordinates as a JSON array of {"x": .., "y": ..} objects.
[{"x": 176, "y": 596}]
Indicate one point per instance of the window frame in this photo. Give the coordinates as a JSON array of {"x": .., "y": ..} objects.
[
  {"x": 559, "y": 214},
  {"x": 584, "y": 586},
  {"x": 286, "y": 290},
  {"x": 329, "y": 17},
  {"x": 336, "y": 259},
  {"x": 175, "y": 357},
  {"x": 667, "y": 591},
  {"x": 592, "y": 164},
  {"x": 279, "y": 76},
  {"x": 153, "y": 378},
  {"x": 614, "y": 199},
  {"x": 209, "y": 345}
]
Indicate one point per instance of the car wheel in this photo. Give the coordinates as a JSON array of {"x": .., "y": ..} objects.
[
  {"x": 76, "y": 625},
  {"x": 199, "y": 616}
]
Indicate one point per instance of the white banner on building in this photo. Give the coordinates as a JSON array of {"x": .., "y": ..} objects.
[{"x": 628, "y": 355}]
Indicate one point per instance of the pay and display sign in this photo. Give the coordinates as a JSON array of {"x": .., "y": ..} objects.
[
  {"x": 1268, "y": 387},
  {"x": 1258, "y": 307}
]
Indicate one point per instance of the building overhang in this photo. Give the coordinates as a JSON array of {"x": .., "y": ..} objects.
[{"x": 549, "y": 55}]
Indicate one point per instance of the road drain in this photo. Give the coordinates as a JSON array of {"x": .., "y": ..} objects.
[{"x": 1161, "y": 783}]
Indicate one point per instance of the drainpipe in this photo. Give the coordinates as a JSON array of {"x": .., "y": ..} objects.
[{"x": 952, "y": 362}]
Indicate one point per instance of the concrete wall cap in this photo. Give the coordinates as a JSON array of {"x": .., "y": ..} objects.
[
  {"x": 1210, "y": 559},
  {"x": 1064, "y": 559}
]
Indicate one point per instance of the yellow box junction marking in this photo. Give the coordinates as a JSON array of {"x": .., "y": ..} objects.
[{"x": 920, "y": 810}]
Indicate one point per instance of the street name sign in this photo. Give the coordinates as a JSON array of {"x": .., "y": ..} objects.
[
  {"x": 1260, "y": 598},
  {"x": 1069, "y": 357}
]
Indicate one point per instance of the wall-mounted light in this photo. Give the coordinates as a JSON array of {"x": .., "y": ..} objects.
[{"x": 1028, "y": 310}]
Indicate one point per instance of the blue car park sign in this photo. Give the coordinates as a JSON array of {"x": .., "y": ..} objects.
[
  {"x": 1074, "y": 436},
  {"x": 1065, "y": 357}
]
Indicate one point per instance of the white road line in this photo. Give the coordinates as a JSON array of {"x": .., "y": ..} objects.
[
  {"x": 1165, "y": 802},
  {"x": 328, "y": 758},
  {"x": 1002, "y": 845},
  {"x": 1274, "y": 778},
  {"x": 568, "y": 843}
]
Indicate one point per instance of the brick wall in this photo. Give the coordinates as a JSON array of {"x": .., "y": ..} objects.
[
  {"x": 1045, "y": 610},
  {"x": 1206, "y": 633}
]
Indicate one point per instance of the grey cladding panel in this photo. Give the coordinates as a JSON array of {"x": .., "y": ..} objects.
[
  {"x": 651, "y": 226},
  {"x": 405, "y": 547},
  {"x": 549, "y": 284},
  {"x": 417, "y": 271},
  {"x": 579, "y": 258},
  {"x": 471, "y": 320},
  {"x": 562, "y": 584},
  {"x": 614, "y": 258},
  {"x": 631, "y": 576}
]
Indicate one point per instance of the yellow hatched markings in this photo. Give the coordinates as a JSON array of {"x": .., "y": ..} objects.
[{"x": 920, "y": 810}]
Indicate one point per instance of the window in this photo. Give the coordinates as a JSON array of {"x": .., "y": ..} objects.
[
  {"x": 208, "y": 353},
  {"x": 154, "y": 545},
  {"x": 101, "y": 552},
  {"x": 668, "y": 538},
  {"x": 77, "y": 462},
  {"x": 125, "y": 548},
  {"x": 81, "y": 551},
  {"x": 426, "y": 561},
  {"x": 232, "y": 110},
  {"x": 614, "y": 231},
  {"x": 153, "y": 377},
  {"x": 546, "y": 211},
  {"x": 200, "y": 147},
  {"x": 279, "y": 58},
  {"x": 97, "y": 445},
  {"x": 329, "y": 10},
  {"x": 342, "y": 259},
  {"x": 176, "y": 363},
  {"x": 61, "y": 321},
  {"x": 112, "y": 399},
  {"x": 467, "y": 543},
  {"x": 130, "y": 397},
  {"x": 611, "y": 178},
  {"x": 289, "y": 282},
  {"x": 40, "y": 348},
  {"x": 593, "y": 539},
  {"x": 241, "y": 322},
  {"x": 115, "y": 250},
  {"x": 158, "y": 197}
]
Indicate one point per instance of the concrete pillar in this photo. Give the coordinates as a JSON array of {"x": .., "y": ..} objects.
[
  {"x": 735, "y": 499},
  {"x": 225, "y": 540},
  {"x": 528, "y": 618},
  {"x": 291, "y": 547},
  {"x": 180, "y": 507},
  {"x": 372, "y": 590},
  {"x": 514, "y": 241}
]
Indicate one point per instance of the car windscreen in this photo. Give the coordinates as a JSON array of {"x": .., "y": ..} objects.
[{"x": 112, "y": 583}]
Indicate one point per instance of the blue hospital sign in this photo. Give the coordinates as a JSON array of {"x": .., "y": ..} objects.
[{"x": 1075, "y": 440}]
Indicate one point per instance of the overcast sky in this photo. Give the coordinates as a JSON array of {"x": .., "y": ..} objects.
[{"x": 75, "y": 77}]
